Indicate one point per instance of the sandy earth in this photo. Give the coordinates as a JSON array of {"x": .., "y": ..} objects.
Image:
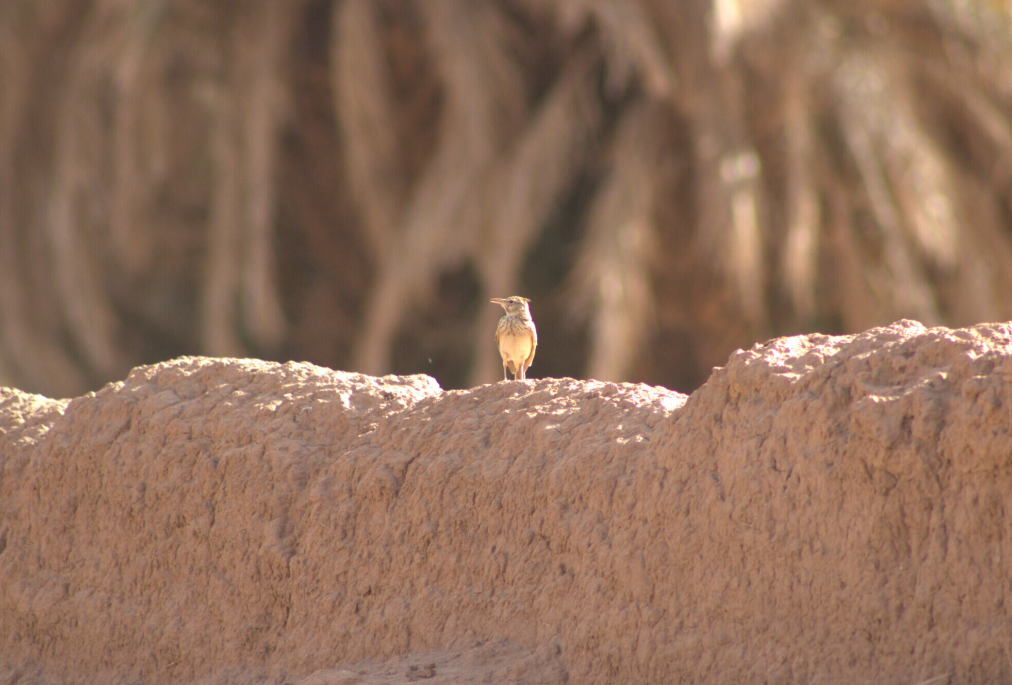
[{"x": 822, "y": 510}]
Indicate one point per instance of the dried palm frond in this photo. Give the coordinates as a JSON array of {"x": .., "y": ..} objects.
[
  {"x": 13, "y": 60},
  {"x": 631, "y": 43},
  {"x": 988, "y": 22},
  {"x": 182, "y": 176},
  {"x": 75, "y": 208},
  {"x": 485, "y": 99},
  {"x": 734, "y": 19},
  {"x": 744, "y": 259},
  {"x": 801, "y": 245},
  {"x": 366, "y": 113},
  {"x": 976, "y": 111},
  {"x": 729, "y": 187},
  {"x": 31, "y": 315},
  {"x": 241, "y": 298},
  {"x": 132, "y": 145},
  {"x": 219, "y": 331},
  {"x": 865, "y": 116},
  {"x": 265, "y": 103},
  {"x": 613, "y": 269},
  {"x": 525, "y": 185}
]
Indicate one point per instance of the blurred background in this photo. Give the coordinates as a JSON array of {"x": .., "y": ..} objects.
[{"x": 347, "y": 182}]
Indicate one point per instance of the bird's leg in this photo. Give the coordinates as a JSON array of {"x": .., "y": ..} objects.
[{"x": 505, "y": 375}]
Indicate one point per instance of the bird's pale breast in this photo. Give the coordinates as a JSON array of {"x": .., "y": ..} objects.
[{"x": 516, "y": 342}]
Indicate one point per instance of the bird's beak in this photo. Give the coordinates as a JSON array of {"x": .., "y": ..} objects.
[{"x": 497, "y": 300}]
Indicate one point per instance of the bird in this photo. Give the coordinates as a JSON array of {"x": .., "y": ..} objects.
[{"x": 515, "y": 336}]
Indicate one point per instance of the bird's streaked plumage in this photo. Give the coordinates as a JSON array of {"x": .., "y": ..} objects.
[{"x": 515, "y": 336}]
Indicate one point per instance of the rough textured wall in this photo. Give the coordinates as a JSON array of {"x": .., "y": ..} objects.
[{"x": 823, "y": 509}]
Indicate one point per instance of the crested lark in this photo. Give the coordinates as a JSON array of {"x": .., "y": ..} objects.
[{"x": 515, "y": 336}]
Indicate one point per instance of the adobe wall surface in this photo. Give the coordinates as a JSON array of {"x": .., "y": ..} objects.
[{"x": 823, "y": 509}]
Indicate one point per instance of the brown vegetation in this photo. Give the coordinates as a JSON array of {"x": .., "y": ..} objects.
[{"x": 346, "y": 181}]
